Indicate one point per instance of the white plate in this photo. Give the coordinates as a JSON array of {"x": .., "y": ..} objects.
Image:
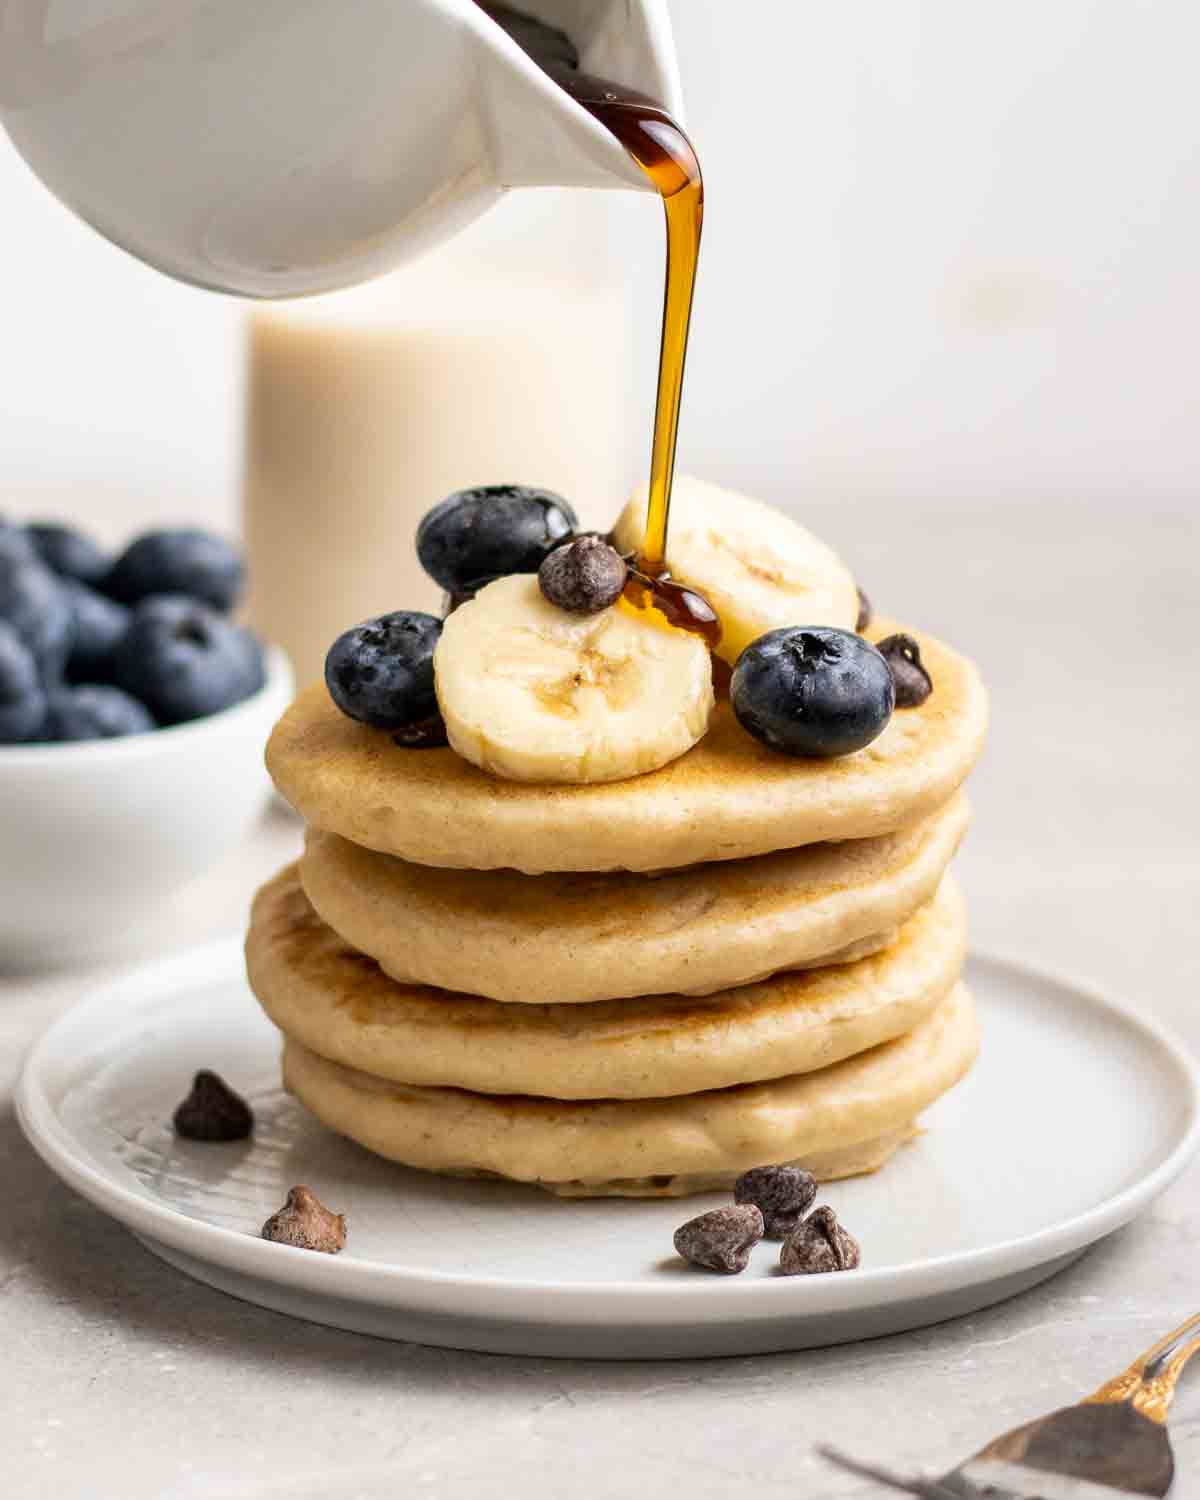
[{"x": 1079, "y": 1113}]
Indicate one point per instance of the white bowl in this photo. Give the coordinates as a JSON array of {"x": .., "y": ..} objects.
[{"x": 95, "y": 835}]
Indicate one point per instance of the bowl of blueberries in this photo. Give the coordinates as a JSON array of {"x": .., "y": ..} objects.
[{"x": 133, "y": 715}]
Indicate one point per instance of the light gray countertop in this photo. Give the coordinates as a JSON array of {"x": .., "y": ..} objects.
[{"x": 122, "y": 1378}]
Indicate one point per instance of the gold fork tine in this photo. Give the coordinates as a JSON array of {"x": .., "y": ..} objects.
[
  {"x": 1129, "y": 1460},
  {"x": 1149, "y": 1382}
]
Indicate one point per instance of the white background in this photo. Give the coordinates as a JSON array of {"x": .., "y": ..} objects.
[{"x": 952, "y": 251}]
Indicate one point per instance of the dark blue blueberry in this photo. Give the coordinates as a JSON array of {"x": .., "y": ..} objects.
[
  {"x": 15, "y": 543},
  {"x": 100, "y": 623},
  {"x": 68, "y": 552},
  {"x": 476, "y": 535},
  {"x": 184, "y": 660},
  {"x": 33, "y": 602},
  {"x": 183, "y": 561},
  {"x": 381, "y": 672},
  {"x": 22, "y": 698},
  {"x": 94, "y": 712},
  {"x": 812, "y": 690}
]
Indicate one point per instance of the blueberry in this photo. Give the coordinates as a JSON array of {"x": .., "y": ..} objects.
[
  {"x": 476, "y": 535},
  {"x": 22, "y": 698},
  {"x": 184, "y": 660},
  {"x": 381, "y": 672},
  {"x": 183, "y": 561},
  {"x": 15, "y": 543},
  {"x": 68, "y": 552},
  {"x": 100, "y": 623},
  {"x": 94, "y": 712},
  {"x": 34, "y": 604},
  {"x": 812, "y": 690}
]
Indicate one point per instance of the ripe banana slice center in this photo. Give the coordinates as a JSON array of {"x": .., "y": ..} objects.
[{"x": 531, "y": 693}]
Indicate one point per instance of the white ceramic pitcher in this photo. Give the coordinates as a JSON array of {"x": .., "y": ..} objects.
[{"x": 280, "y": 147}]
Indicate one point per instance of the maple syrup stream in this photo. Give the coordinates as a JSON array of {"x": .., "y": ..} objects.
[{"x": 659, "y": 146}]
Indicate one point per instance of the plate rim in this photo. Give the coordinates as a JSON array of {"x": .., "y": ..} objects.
[{"x": 465, "y": 1294}]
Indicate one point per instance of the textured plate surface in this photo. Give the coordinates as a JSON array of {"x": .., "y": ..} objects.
[{"x": 1077, "y": 1115}]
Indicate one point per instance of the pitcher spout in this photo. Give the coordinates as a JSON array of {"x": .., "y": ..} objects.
[{"x": 540, "y": 136}]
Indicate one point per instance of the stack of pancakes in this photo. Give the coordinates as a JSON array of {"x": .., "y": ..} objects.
[{"x": 640, "y": 987}]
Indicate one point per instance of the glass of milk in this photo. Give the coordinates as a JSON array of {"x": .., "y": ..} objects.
[{"x": 502, "y": 358}]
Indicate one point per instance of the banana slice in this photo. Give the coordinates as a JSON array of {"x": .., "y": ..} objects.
[
  {"x": 534, "y": 694},
  {"x": 758, "y": 568}
]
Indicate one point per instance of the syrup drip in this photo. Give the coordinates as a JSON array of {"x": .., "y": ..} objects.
[
  {"x": 685, "y": 608},
  {"x": 660, "y": 147}
]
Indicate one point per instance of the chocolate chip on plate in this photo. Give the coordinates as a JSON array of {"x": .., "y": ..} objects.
[
  {"x": 305, "y": 1223},
  {"x": 721, "y": 1240},
  {"x": 819, "y": 1244},
  {"x": 912, "y": 682},
  {"x": 784, "y": 1194},
  {"x": 864, "y": 612},
  {"x": 213, "y": 1112}
]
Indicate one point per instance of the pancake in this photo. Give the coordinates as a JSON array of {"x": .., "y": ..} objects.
[
  {"x": 825, "y": 1166},
  {"x": 727, "y": 798},
  {"x": 856, "y": 1107},
  {"x": 575, "y": 938},
  {"x": 340, "y": 1005}
]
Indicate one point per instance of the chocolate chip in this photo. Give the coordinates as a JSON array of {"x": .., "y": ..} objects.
[
  {"x": 425, "y": 734},
  {"x": 913, "y": 683},
  {"x": 584, "y": 576},
  {"x": 820, "y": 1244},
  {"x": 864, "y": 612},
  {"x": 721, "y": 1240},
  {"x": 213, "y": 1112},
  {"x": 306, "y": 1223},
  {"x": 784, "y": 1194},
  {"x": 452, "y": 601}
]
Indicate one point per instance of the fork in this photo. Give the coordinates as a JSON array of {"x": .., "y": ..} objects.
[{"x": 1112, "y": 1442}]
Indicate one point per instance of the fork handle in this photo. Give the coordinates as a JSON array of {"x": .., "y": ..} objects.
[
  {"x": 926, "y": 1489},
  {"x": 1149, "y": 1382}
]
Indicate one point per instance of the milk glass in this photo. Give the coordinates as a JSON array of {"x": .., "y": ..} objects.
[{"x": 504, "y": 357}]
